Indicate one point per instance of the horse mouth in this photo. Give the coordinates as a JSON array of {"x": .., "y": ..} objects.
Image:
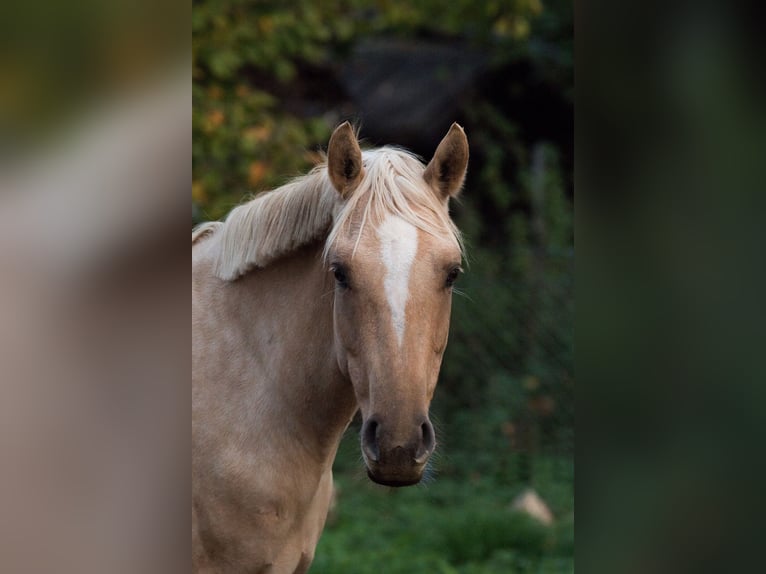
[{"x": 395, "y": 481}]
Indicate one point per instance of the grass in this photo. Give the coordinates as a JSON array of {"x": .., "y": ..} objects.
[{"x": 450, "y": 525}]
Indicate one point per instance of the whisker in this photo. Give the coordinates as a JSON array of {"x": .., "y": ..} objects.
[{"x": 463, "y": 294}]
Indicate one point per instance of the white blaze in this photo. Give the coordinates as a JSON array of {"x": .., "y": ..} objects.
[{"x": 398, "y": 246}]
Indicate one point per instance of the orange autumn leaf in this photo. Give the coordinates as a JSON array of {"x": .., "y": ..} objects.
[
  {"x": 257, "y": 134},
  {"x": 213, "y": 120},
  {"x": 256, "y": 172}
]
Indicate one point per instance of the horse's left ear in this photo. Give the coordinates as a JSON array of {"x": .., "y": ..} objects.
[
  {"x": 446, "y": 171},
  {"x": 344, "y": 160}
]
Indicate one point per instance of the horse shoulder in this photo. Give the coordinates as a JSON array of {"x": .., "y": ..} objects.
[{"x": 256, "y": 519}]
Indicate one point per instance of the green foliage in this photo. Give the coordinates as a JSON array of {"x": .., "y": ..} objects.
[
  {"x": 248, "y": 54},
  {"x": 474, "y": 535},
  {"x": 510, "y": 354}
]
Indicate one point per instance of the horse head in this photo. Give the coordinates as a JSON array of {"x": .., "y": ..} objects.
[{"x": 394, "y": 254}]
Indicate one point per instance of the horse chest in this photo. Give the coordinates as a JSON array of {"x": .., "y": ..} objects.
[
  {"x": 306, "y": 528},
  {"x": 261, "y": 524}
]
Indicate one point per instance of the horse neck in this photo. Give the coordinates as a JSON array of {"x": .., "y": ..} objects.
[{"x": 287, "y": 308}]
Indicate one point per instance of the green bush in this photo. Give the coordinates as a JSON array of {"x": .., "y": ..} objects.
[
  {"x": 449, "y": 526},
  {"x": 477, "y": 534}
]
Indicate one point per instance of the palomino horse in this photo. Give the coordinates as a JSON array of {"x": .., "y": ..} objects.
[{"x": 327, "y": 295}]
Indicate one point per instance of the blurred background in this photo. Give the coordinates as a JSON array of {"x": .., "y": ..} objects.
[{"x": 270, "y": 82}]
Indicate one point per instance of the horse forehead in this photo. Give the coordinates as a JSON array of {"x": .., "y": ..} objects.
[
  {"x": 397, "y": 237},
  {"x": 401, "y": 245}
]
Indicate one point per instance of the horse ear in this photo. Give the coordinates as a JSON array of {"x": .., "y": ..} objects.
[
  {"x": 446, "y": 170},
  {"x": 344, "y": 160}
]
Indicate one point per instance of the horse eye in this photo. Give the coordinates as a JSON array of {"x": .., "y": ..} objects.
[
  {"x": 452, "y": 276},
  {"x": 340, "y": 275}
]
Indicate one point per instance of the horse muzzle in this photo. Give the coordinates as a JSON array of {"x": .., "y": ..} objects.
[{"x": 392, "y": 461}]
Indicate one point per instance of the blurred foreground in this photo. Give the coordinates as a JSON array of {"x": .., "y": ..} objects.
[{"x": 95, "y": 168}]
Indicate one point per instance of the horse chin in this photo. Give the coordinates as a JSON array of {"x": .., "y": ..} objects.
[{"x": 395, "y": 481}]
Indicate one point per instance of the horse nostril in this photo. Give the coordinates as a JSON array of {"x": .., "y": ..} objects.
[
  {"x": 427, "y": 442},
  {"x": 370, "y": 439}
]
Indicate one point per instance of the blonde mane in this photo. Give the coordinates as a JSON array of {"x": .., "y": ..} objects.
[{"x": 308, "y": 208}]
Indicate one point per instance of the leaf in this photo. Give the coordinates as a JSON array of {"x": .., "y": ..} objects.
[
  {"x": 256, "y": 172},
  {"x": 224, "y": 63}
]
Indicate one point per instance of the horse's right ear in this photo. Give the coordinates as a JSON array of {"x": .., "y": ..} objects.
[
  {"x": 344, "y": 160},
  {"x": 446, "y": 170}
]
